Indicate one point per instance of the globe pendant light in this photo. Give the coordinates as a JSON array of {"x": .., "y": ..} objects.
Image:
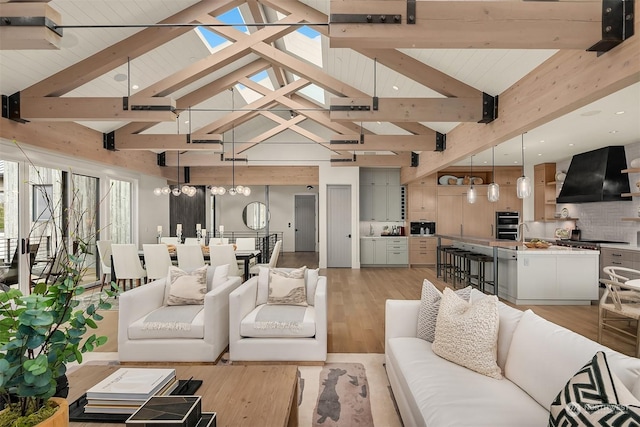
[
  {"x": 184, "y": 189},
  {"x": 493, "y": 190},
  {"x": 472, "y": 194},
  {"x": 523, "y": 185}
]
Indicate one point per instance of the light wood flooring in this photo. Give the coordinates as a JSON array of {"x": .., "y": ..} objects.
[{"x": 357, "y": 299}]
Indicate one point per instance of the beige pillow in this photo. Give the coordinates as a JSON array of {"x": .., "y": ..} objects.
[
  {"x": 287, "y": 287},
  {"x": 467, "y": 333},
  {"x": 187, "y": 288}
]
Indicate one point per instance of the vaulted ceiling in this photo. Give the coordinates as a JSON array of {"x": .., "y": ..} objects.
[{"x": 303, "y": 81}]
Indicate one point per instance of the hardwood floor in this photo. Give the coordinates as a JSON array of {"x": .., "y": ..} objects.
[{"x": 357, "y": 299}]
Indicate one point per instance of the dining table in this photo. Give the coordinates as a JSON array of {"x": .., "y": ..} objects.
[
  {"x": 246, "y": 256},
  {"x": 633, "y": 283}
]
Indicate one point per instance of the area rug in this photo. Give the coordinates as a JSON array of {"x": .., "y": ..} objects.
[{"x": 93, "y": 297}]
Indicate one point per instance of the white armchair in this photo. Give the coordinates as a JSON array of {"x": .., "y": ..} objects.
[
  {"x": 204, "y": 341},
  {"x": 248, "y": 342}
]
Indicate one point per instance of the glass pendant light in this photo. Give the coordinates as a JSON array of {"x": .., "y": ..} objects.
[
  {"x": 472, "y": 194},
  {"x": 493, "y": 190},
  {"x": 523, "y": 185}
]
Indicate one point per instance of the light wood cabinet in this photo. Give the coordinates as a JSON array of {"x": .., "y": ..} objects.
[
  {"x": 422, "y": 250},
  {"x": 507, "y": 175},
  {"x": 544, "y": 192},
  {"x": 457, "y": 216},
  {"x": 423, "y": 200}
]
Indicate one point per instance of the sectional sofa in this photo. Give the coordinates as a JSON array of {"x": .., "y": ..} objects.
[{"x": 537, "y": 358}]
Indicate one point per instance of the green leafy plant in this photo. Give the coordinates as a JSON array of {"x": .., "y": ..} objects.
[{"x": 42, "y": 332}]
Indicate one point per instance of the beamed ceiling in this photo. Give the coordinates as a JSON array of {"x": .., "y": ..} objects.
[{"x": 299, "y": 100}]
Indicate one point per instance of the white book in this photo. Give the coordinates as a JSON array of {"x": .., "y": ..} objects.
[
  {"x": 132, "y": 383},
  {"x": 165, "y": 391}
]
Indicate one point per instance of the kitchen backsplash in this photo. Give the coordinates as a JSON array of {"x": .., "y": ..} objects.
[{"x": 600, "y": 220}]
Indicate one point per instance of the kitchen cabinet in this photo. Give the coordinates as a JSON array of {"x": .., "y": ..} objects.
[
  {"x": 381, "y": 195},
  {"x": 384, "y": 251},
  {"x": 456, "y": 216},
  {"x": 544, "y": 192},
  {"x": 507, "y": 177},
  {"x": 423, "y": 200},
  {"x": 422, "y": 250},
  {"x": 628, "y": 258}
]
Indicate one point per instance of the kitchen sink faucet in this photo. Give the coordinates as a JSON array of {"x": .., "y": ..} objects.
[{"x": 520, "y": 232}]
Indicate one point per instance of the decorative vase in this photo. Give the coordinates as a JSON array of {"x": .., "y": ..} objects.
[
  {"x": 61, "y": 417},
  {"x": 635, "y": 163}
]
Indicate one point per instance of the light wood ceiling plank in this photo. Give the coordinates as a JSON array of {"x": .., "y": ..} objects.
[
  {"x": 113, "y": 56},
  {"x": 471, "y": 25}
]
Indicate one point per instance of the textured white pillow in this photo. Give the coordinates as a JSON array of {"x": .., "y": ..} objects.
[
  {"x": 217, "y": 275},
  {"x": 429, "y": 306},
  {"x": 287, "y": 287},
  {"x": 311, "y": 283},
  {"x": 467, "y": 333},
  {"x": 263, "y": 286},
  {"x": 187, "y": 288}
]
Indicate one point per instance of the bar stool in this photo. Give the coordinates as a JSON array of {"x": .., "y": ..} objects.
[
  {"x": 480, "y": 277},
  {"x": 442, "y": 256},
  {"x": 448, "y": 263},
  {"x": 461, "y": 266}
]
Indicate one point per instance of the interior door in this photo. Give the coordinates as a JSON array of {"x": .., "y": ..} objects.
[
  {"x": 339, "y": 226},
  {"x": 305, "y": 223}
]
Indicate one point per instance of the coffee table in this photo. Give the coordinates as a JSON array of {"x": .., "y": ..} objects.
[{"x": 254, "y": 395}]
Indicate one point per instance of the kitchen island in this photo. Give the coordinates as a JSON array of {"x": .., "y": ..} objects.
[{"x": 554, "y": 276}]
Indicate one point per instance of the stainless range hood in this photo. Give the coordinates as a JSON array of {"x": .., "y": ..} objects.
[{"x": 595, "y": 176}]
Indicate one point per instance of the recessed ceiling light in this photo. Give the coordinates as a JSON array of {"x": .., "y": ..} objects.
[
  {"x": 539, "y": 154},
  {"x": 590, "y": 113},
  {"x": 378, "y": 122},
  {"x": 395, "y": 87},
  {"x": 613, "y": 131},
  {"x": 120, "y": 77},
  {"x": 619, "y": 112},
  {"x": 485, "y": 162},
  {"x": 515, "y": 162},
  {"x": 571, "y": 145},
  {"x": 134, "y": 87},
  {"x": 186, "y": 122},
  {"x": 542, "y": 140}
]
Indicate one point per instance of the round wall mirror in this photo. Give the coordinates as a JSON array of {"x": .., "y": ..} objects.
[{"x": 254, "y": 215}]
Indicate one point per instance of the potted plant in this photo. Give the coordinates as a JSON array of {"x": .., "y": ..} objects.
[{"x": 42, "y": 332}]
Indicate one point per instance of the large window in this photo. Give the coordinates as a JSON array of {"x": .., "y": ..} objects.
[{"x": 120, "y": 214}]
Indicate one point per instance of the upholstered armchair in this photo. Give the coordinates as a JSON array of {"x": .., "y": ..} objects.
[
  {"x": 281, "y": 332},
  {"x": 200, "y": 332}
]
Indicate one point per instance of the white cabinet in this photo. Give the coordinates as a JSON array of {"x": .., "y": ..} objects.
[
  {"x": 381, "y": 195},
  {"x": 383, "y": 251}
]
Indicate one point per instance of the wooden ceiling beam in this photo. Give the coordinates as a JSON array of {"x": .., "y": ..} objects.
[
  {"x": 255, "y": 175},
  {"x": 115, "y": 55},
  {"x": 88, "y": 108},
  {"x": 364, "y": 160},
  {"x": 240, "y": 148},
  {"x": 470, "y": 25},
  {"x": 408, "y": 109},
  {"x": 169, "y": 142},
  {"x": 39, "y": 35},
  {"x": 384, "y": 143}
]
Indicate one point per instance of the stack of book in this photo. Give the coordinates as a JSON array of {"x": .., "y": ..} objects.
[{"x": 124, "y": 391}]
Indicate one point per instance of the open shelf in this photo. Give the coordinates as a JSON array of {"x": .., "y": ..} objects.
[
  {"x": 630, "y": 194},
  {"x": 631, "y": 170},
  {"x": 631, "y": 219},
  {"x": 559, "y": 219}
]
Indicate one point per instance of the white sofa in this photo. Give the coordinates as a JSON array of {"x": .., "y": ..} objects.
[
  {"x": 537, "y": 358},
  {"x": 247, "y": 342},
  {"x": 206, "y": 339}
]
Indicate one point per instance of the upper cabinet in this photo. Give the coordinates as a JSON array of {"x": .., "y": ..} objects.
[
  {"x": 422, "y": 200},
  {"x": 544, "y": 192},
  {"x": 381, "y": 195},
  {"x": 507, "y": 177}
]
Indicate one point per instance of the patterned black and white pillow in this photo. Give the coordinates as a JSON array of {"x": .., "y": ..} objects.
[
  {"x": 429, "y": 307},
  {"x": 594, "y": 396}
]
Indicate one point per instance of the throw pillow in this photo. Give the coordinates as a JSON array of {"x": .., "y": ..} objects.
[
  {"x": 429, "y": 306},
  {"x": 187, "y": 288},
  {"x": 263, "y": 286},
  {"x": 287, "y": 287},
  {"x": 467, "y": 333},
  {"x": 311, "y": 283},
  {"x": 595, "y": 396},
  {"x": 217, "y": 276}
]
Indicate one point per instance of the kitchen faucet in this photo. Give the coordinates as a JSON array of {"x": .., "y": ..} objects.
[{"x": 520, "y": 233}]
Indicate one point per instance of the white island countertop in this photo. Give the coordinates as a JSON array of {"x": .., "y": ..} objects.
[{"x": 555, "y": 250}]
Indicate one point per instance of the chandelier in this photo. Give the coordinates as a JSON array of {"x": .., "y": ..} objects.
[
  {"x": 178, "y": 189},
  {"x": 233, "y": 190}
]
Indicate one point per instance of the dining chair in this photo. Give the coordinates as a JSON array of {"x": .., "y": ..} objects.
[
  {"x": 104, "y": 252},
  {"x": 224, "y": 254},
  {"x": 246, "y": 244},
  {"x": 190, "y": 257},
  {"x": 273, "y": 261},
  {"x": 156, "y": 260},
  {"x": 126, "y": 264},
  {"x": 622, "y": 303},
  {"x": 170, "y": 240},
  {"x": 191, "y": 241}
]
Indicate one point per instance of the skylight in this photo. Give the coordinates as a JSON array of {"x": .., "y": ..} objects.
[{"x": 216, "y": 42}]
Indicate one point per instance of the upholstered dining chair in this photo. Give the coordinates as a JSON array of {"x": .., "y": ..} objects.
[
  {"x": 191, "y": 241},
  {"x": 190, "y": 257},
  {"x": 170, "y": 240},
  {"x": 224, "y": 254},
  {"x": 126, "y": 264},
  {"x": 156, "y": 260},
  {"x": 246, "y": 244},
  {"x": 273, "y": 261},
  {"x": 104, "y": 252}
]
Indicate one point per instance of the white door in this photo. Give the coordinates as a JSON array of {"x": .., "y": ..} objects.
[
  {"x": 339, "y": 226},
  {"x": 305, "y": 223}
]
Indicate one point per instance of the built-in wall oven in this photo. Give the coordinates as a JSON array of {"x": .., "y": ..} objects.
[
  {"x": 507, "y": 225},
  {"x": 422, "y": 228}
]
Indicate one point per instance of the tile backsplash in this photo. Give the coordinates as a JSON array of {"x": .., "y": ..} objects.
[{"x": 600, "y": 220}]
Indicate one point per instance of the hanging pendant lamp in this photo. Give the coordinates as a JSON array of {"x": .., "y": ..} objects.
[
  {"x": 493, "y": 190},
  {"x": 472, "y": 194},
  {"x": 178, "y": 189},
  {"x": 523, "y": 185}
]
